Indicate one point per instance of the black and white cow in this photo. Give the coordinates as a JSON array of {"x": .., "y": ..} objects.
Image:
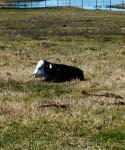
[{"x": 57, "y": 72}]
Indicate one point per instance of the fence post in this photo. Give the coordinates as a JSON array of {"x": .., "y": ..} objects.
[
  {"x": 69, "y": 2},
  {"x": 82, "y": 3},
  {"x": 31, "y": 3},
  {"x": 110, "y": 4},
  {"x": 96, "y": 4},
  {"x": 45, "y": 3}
]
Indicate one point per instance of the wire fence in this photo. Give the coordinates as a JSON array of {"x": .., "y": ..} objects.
[{"x": 86, "y": 4}]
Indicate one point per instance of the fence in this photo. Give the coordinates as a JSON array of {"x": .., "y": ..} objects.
[{"x": 86, "y": 4}]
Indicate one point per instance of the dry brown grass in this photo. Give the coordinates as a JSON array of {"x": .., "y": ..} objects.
[{"x": 90, "y": 121}]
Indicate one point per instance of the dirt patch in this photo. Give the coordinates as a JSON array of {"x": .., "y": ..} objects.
[
  {"x": 105, "y": 95},
  {"x": 57, "y": 105}
]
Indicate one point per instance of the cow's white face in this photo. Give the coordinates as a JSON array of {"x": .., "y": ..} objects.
[{"x": 39, "y": 71}]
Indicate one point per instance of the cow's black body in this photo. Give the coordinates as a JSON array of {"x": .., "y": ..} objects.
[{"x": 61, "y": 72}]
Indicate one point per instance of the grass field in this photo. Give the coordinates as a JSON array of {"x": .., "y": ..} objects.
[{"x": 88, "y": 115}]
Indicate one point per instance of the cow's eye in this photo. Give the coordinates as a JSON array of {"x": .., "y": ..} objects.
[{"x": 40, "y": 68}]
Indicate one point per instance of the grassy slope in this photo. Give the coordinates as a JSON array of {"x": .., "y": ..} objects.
[{"x": 91, "y": 40}]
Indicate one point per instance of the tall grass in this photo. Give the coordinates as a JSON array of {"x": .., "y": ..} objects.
[{"x": 70, "y": 115}]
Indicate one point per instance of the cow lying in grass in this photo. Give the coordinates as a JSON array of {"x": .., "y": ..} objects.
[{"x": 57, "y": 72}]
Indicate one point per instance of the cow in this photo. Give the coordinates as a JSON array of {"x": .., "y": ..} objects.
[{"x": 57, "y": 72}]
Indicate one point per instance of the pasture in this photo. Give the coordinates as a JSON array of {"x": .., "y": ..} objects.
[{"x": 36, "y": 115}]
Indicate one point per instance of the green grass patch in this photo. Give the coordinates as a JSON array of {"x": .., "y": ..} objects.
[{"x": 112, "y": 136}]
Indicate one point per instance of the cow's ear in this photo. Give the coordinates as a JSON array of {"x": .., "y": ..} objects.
[{"x": 50, "y": 66}]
